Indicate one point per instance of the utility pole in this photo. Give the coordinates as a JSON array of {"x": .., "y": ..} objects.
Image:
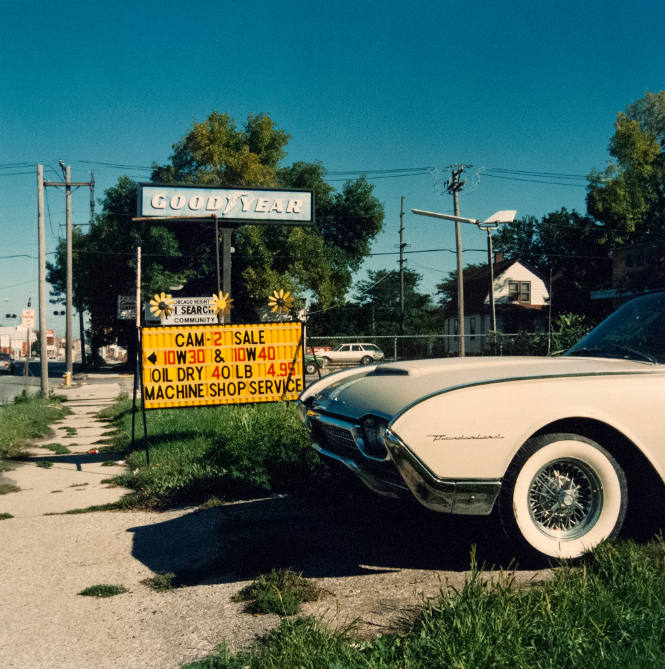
[
  {"x": 69, "y": 184},
  {"x": 226, "y": 265},
  {"x": 401, "y": 267},
  {"x": 454, "y": 186},
  {"x": 43, "y": 355},
  {"x": 69, "y": 276},
  {"x": 79, "y": 304}
]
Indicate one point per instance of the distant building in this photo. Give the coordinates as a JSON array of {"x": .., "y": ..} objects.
[
  {"x": 521, "y": 300},
  {"x": 634, "y": 269},
  {"x": 14, "y": 340}
]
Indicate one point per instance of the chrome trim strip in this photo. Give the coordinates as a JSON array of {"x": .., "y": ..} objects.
[
  {"x": 489, "y": 382},
  {"x": 459, "y": 496}
]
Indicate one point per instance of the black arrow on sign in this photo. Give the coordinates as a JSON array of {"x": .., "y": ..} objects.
[{"x": 152, "y": 358}]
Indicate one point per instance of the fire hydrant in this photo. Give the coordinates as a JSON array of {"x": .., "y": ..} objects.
[{"x": 67, "y": 376}]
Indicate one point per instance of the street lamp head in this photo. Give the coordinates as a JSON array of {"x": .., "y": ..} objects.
[{"x": 503, "y": 216}]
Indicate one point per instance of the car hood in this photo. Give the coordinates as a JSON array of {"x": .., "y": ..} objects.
[{"x": 385, "y": 390}]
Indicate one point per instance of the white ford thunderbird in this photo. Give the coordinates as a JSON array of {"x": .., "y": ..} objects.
[{"x": 555, "y": 443}]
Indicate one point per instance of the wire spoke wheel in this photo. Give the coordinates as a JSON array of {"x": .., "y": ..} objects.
[
  {"x": 565, "y": 498},
  {"x": 562, "y": 495}
]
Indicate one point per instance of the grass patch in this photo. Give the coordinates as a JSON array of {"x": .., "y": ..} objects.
[
  {"x": 162, "y": 582},
  {"x": 6, "y": 488},
  {"x": 113, "y": 412},
  {"x": 111, "y": 506},
  {"x": 606, "y": 612},
  {"x": 5, "y": 516},
  {"x": 58, "y": 449},
  {"x": 45, "y": 464},
  {"x": 78, "y": 485},
  {"x": 226, "y": 452},
  {"x": 281, "y": 591},
  {"x": 71, "y": 431},
  {"x": 27, "y": 418},
  {"x": 103, "y": 590}
]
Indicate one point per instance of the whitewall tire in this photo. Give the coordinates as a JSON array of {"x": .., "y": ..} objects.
[{"x": 562, "y": 495}]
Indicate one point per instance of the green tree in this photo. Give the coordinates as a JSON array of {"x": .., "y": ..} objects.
[
  {"x": 317, "y": 261},
  {"x": 320, "y": 260},
  {"x": 379, "y": 304},
  {"x": 447, "y": 290},
  {"x": 628, "y": 197},
  {"x": 566, "y": 246}
]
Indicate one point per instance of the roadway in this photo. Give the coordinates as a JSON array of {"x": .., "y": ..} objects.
[{"x": 13, "y": 384}]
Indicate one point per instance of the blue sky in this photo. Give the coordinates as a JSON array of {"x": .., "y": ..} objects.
[{"x": 530, "y": 88}]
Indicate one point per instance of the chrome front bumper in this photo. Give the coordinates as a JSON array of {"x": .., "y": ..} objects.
[
  {"x": 343, "y": 441},
  {"x": 467, "y": 497},
  {"x": 400, "y": 471}
]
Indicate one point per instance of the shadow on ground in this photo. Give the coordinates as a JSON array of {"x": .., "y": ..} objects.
[
  {"x": 318, "y": 537},
  {"x": 77, "y": 459},
  {"x": 349, "y": 532}
]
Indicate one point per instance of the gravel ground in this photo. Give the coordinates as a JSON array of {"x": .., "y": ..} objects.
[{"x": 375, "y": 560}]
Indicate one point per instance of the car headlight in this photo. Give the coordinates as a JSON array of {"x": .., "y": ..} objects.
[{"x": 374, "y": 431}]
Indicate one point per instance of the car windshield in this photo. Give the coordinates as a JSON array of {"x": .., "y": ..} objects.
[
  {"x": 5, "y": 356},
  {"x": 636, "y": 331}
]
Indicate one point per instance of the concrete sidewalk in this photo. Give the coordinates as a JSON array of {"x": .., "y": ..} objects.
[{"x": 73, "y": 480}]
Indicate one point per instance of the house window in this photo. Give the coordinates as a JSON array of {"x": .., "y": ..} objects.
[{"x": 520, "y": 291}]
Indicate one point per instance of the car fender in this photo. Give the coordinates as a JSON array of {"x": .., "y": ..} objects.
[{"x": 474, "y": 431}]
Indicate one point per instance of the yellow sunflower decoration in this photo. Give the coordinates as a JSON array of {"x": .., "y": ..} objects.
[
  {"x": 161, "y": 305},
  {"x": 222, "y": 303},
  {"x": 280, "y": 302}
]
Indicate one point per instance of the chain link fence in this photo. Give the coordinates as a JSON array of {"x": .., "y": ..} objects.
[{"x": 411, "y": 347}]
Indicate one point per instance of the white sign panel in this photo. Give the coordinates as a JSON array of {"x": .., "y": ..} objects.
[
  {"x": 127, "y": 307},
  {"x": 28, "y": 318},
  {"x": 293, "y": 207},
  {"x": 186, "y": 311}
]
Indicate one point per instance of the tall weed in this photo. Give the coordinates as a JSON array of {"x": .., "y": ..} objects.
[
  {"x": 608, "y": 611},
  {"x": 225, "y": 451}
]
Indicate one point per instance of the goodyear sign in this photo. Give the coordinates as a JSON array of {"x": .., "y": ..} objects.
[{"x": 221, "y": 364}]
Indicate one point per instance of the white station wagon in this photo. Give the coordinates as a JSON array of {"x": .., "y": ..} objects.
[
  {"x": 553, "y": 443},
  {"x": 357, "y": 353}
]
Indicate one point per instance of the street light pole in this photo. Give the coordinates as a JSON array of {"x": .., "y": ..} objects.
[
  {"x": 503, "y": 216},
  {"x": 490, "y": 263}
]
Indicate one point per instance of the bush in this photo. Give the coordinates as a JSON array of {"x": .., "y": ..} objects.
[
  {"x": 263, "y": 447},
  {"x": 570, "y": 328},
  {"x": 224, "y": 452}
]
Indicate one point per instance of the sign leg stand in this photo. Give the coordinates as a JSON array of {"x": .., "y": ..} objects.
[
  {"x": 145, "y": 424},
  {"x": 135, "y": 389}
]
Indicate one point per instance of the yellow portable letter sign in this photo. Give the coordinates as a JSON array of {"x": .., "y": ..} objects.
[{"x": 221, "y": 364}]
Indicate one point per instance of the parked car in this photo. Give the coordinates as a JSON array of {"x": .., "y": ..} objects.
[
  {"x": 557, "y": 445},
  {"x": 6, "y": 363},
  {"x": 356, "y": 353},
  {"x": 313, "y": 364}
]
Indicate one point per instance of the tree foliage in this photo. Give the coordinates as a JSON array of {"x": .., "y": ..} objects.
[
  {"x": 315, "y": 261},
  {"x": 567, "y": 247},
  {"x": 628, "y": 197},
  {"x": 375, "y": 309}
]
